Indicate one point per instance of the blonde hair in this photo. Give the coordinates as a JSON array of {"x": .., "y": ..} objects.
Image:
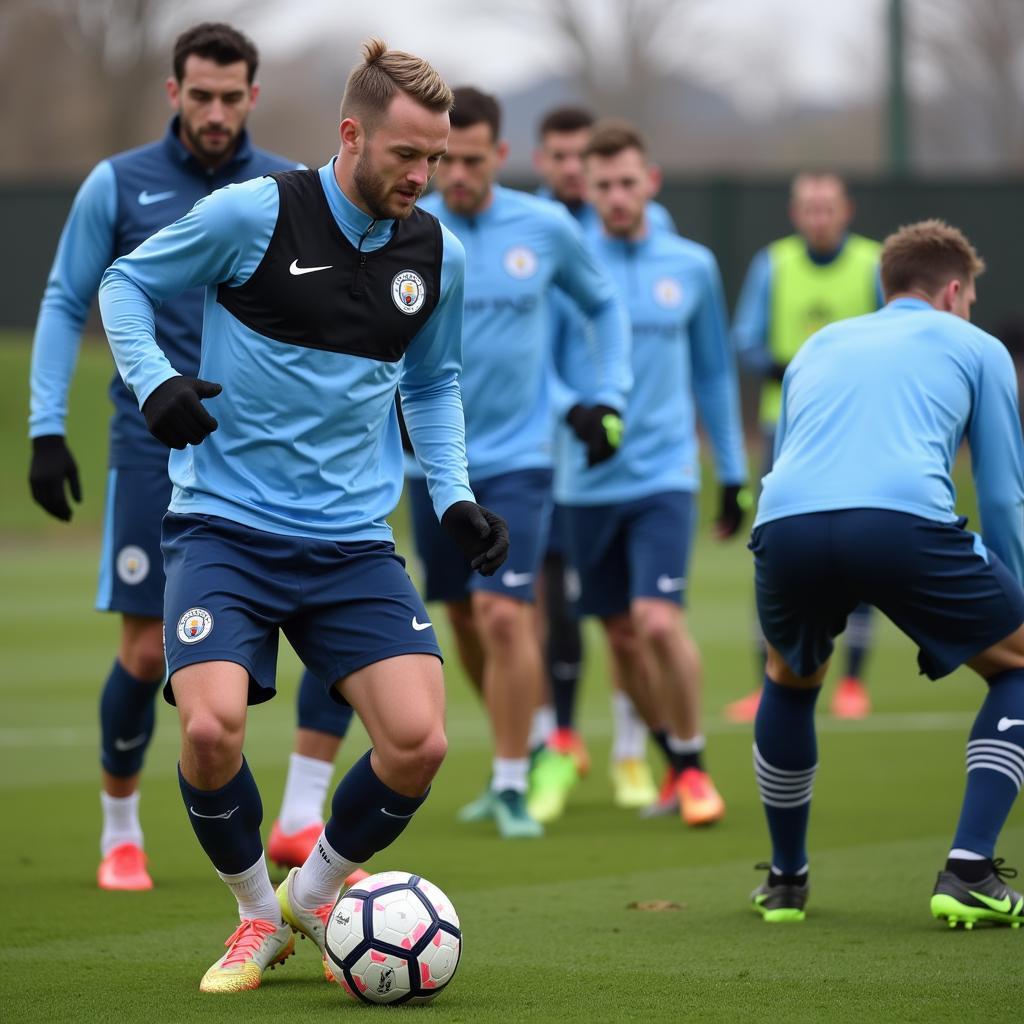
[
  {"x": 372, "y": 84},
  {"x": 925, "y": 255}
]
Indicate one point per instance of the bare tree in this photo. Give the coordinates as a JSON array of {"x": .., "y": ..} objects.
[{"x": 975, "y": 52}]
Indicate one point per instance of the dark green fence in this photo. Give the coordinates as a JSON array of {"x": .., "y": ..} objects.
[{"x": 733, "y": 217}]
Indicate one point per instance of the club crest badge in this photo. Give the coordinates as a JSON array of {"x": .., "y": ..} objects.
[
  {"x": 132, "y": 565},
  {"x": 520, "y": 262},
  {"x": 195, "y": 625},
  {"x": 408, "y": 292},
  {"x": 668, "y": 293}
]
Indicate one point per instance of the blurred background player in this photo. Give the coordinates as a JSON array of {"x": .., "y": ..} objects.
[
  {"x": 558, "y": 159},
  {"x": 124, "y": 200},
  {"x": 326, "y": 290},
  {"x": 518, "y": 248},
  {"x": 630, "y": 521},
  {"x": 860, "y": 507},
  {"x": 794, "y": 287}
]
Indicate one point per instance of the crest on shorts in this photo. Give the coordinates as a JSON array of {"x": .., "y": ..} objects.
[
  {"x": 668, "y": 293},
  {"x": 408, "y": 292},
  {"x": 132, "y": 564},
  {"x": 520, "y": 262},
  {"x": 195, "y": 625}
]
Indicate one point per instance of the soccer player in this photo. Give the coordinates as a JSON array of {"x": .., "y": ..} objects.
[
  {"x": 630, "y": 521},
  {"x": 562, "y": 136},
  {"x": 124, "y": 200},
  {"x": 325, "y": 291},
  {"x": 795, "y": 286},
  {"x": 519, "y": 248},
  {"x": 859, "y": 506}
]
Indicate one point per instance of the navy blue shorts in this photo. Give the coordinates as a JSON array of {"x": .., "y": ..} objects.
[
  {"x": 936, "y": 581},
  {"x": 231, "y": 589},
  {"x": 556, "y": 532},
  {"x": 131, "y": 567},
  {"x": 634, "y": 549},
  {"x": 523, "y": 499}
]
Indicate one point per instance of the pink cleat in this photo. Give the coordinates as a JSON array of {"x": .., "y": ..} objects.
[
  {"x": 124, "y": 868},
  {"x": 851, "y": 699},
  {"x": 743, "y": 710}
]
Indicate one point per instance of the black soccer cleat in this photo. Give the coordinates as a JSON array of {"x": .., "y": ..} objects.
[
  {"x": 783, "y": 901},
  {"x": 967, "y": 903}
]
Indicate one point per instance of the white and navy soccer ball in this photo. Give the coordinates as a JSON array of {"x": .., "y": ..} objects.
[{"x": 393, "y": 938}]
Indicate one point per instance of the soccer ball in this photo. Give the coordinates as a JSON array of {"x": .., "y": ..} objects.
[{"x": 393, "y": 938}]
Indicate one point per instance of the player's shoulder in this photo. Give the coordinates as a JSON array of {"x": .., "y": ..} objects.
[
  {"x": 514, "y": 203},
  {"x": 265, "y": 161},
  {"x": 241, "y": 206},
  {"x": 145, "y": 154},
  {"x": 451, "y": 248},
  {"x": 685, "y": 251}
]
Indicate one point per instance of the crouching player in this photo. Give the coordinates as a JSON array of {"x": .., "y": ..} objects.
[{"x": 859, "y": 507}]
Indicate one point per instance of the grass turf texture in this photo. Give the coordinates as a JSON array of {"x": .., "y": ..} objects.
[{"x": 548, "y": 932}]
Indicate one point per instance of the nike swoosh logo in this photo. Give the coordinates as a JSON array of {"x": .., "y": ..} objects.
[
  {"x": 148, "y": 198},
  {"x": 1005, "y": 723},
  {"x": 515, "y": 579},
  {"x": 418, "y": 626},
  {"x": 210, "y": 817},
  {"x": 297, "y": 271},
  {"x": 999, "y": 906},
  {"x": 670, "y": 584},
  {"x": 384, "y": 810},
  {"x": 131, "y": 744}
]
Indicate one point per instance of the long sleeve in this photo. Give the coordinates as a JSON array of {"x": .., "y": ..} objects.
[
  {"x": 85, "y": 250},
  {"x": 997, "y": 457},
  {"x": 429, "y": 387},
  {"x": 221, "y": 239},
  {"x": 750, "y": 325},
  {"x": 714, "y": 380},
  {"x": 609, "y": 337}
]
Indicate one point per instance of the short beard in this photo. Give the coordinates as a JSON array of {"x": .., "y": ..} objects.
[
  {"x": 374, "y": 192},
  {"x": 206, "y": 155}
]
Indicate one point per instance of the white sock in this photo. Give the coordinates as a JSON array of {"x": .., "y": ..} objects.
[
  {"x": 304, "y": 793},
  {"x": 629, "y": 742},
  {"x": 120, "y": 821},
  {"x": 319, "y": 879},
  {"x": 255, "y": 894},
  {"x": 959, "y": 854},
  {"x": 694, "y": 745},
  {"x": 510, "y": 773},
  {"x": 542, "y": 726}
]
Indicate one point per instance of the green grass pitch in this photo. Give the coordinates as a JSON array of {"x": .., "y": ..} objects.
[{"x": 548, "y": 932}]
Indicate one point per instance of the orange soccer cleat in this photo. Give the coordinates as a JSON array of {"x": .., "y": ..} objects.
[
  {"x": 743, "y": 710},
  {"x": 124, "y": 868},
  {"x": 569, "y": 741},
  {"x": 290, "y": 849},
  {"x": 699, "y": 801},
  {"x": 851, "y": 699}
]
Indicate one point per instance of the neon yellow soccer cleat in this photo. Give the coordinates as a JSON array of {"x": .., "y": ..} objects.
[
  {"x": 632, "y": 783},
  {"x": 966, "y": 903},
  {"x": 551, "y": 781},
  {"x": 254, "y": 946}
]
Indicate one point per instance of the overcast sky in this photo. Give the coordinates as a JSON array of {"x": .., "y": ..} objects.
[{"x": 761, "y": 51}]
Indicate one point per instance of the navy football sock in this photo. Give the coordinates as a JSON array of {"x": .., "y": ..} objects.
[
  {"x": 564, "y": 646},
  {"x": 995, "y": 764},
  {"x": 858, "y": 639},
  {"x": 679, "y": 759},
  {"x": 367, "y": 815},
  {"x": 127, "y": 721},
  {"x": 785, "y": 760},
  {"x": 318, "y": 710},
  {"x": 227, "y": 821}
]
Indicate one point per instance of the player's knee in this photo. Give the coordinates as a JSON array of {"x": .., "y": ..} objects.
[
  {"x": 142, "y": 653},
  {"x": 417, "y": 760},
  {"x": 212, "y": 741},
  {"x": 460, "y": 615},
  {"x": 658, "y": 626},
  {"x": 502, "y": 621},
  {"x": 622, "y": 636}
]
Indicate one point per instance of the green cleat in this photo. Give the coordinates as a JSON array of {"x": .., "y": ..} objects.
[
  {"x": 480, "y": 809},
  {"x": 551, "y": 780},
  {"x": 514, "y": 821},
  {"x": 782, "y": 902},
  {"x": 966, "y": 903}
]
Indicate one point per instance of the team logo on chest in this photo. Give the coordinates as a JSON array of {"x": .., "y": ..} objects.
[
  {"x": 668, "y": 293},
  {"x": 408, "y": 291},
  {"x": 132, "y": 564},
  {"x": 195, "y": 625},
  {"x": 520, "y": 262}
]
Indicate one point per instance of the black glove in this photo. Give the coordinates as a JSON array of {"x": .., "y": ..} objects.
[
  {"x": 777, "y": 370},
  {"x": 481, "y": 534},
  {"x": 175, "y": 414},
  {"x": 735, "y": 502},
  {"x": 52, "y": 466},
  {"x": 599, "y": 427}
]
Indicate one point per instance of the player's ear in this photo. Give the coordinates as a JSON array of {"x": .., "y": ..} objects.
[
  {"x": 949, "y": 295},
  {"x": 254, "y": 93},
  {"x": 502, "y": 149},
  {"x": 654, "y": 180},
  {"x": 173, "y": 87},
  {"x": 351, "y": 132},
  {"x": 538, "y": 160}
]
